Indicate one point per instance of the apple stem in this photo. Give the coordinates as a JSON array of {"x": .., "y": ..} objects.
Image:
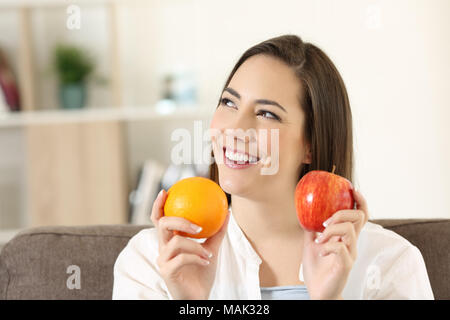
[{"x": 334, "y": 168}]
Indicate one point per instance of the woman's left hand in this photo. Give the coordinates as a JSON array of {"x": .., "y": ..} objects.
[{"x": 328, "y": 259}]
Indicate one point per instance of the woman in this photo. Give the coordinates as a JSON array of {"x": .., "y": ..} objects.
[{"x": 290, "y": 87}]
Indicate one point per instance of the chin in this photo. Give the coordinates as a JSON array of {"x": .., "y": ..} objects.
[{"x": 235, "y": 182}]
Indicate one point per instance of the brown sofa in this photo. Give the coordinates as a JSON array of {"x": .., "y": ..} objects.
[{"x": 36, "y": 263}]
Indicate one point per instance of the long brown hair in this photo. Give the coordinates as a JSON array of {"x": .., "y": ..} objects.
[{"x": 325, "y": 103}]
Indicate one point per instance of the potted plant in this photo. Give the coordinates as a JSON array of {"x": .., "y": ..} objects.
[{"x": 73, "y": 67}]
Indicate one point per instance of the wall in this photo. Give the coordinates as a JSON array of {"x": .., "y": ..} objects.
[{"x": 393, "y": 56}]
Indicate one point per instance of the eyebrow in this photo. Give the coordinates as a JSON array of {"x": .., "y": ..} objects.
[{"x": 259, "y": 101}]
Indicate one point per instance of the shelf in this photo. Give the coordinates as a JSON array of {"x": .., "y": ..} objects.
[{"x": 18, "y": 119}]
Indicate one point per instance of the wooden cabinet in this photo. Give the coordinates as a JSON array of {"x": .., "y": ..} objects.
[
  {"x": 78, "y": 167},
  {"x": 76, "y": 173}
]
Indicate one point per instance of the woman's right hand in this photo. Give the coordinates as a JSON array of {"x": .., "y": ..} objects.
[{"x": 187, "y": 267}]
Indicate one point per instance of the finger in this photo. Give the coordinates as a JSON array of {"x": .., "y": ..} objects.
[
  {"x": 354, "y": 216},
  {"x": 345, "y": 231},
  {"x": 171, "y": 268},
  {"x": 337, "y": 248},
  {"x": 158, "y": 207},
  {"x": 309, "y": 236},
  {"x": 213, "y": 243},
  {"x": 166, "y": 226},
  {"x": 180, "y": 244},
  {"x": 361, "y": 204},
  {"x": 342, "y": 230},
  {"x": 335, "y": 238}
]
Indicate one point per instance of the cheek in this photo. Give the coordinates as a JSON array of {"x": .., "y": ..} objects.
[
  {"x": 219, "y": 120},
  {"x": 217, "y": 126},
  {"x": 277, "y": 140},
  {"x": 215, "y": 121},
  {"x": 290, "y": 149}
]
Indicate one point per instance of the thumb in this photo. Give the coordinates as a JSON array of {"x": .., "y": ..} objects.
[{"x": 213, "y": 242}]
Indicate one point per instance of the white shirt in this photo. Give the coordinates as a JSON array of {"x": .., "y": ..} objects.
[{"x": 387, "y": 267}]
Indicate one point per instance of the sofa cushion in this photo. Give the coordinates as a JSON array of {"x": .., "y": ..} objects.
[{"x": 50, "y": 262}]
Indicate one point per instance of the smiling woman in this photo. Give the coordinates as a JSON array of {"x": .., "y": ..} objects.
[
  {"x": 290, "y": 88},
  {"x": 309, "y": 99}
]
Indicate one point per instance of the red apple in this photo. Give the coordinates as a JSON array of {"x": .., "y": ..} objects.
[{"x": 320, "y": 194}]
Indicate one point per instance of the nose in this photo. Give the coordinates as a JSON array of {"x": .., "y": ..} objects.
[{"x": 241, "y": 133}]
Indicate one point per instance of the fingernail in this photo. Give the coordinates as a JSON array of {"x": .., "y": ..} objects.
[
  {"x": 196, "y": 228},
  {"x": 326, "y": 223},
  {"x": 208, "y": 254},
  {"x": 318, "y": 239},
  {"x": 160, "y": 193},
  {"x": 205, "y": 262}
]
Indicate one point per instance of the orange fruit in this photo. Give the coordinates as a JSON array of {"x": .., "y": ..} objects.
[{"x": 199, "y": 200}]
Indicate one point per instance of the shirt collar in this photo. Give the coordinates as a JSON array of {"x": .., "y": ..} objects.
[
  {"x": 242, "y": 245},
  {"x": 240, "y": 241}
]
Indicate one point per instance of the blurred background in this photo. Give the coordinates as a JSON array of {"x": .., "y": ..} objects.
[{"x": 91, "y": 92}]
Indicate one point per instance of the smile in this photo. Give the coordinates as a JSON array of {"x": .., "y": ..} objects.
[{"x": 238, "y": 160}]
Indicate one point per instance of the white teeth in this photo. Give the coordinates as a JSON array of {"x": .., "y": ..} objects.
[{"x": 239, "y": 157}]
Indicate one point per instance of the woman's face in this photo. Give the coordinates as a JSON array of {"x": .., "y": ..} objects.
[{"x": 259, "y": 114}]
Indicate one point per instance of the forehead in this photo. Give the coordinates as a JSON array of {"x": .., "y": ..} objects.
[{"x": 265, "y": 77}]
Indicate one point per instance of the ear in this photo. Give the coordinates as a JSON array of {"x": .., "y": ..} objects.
[{"x": 307, "y": 157}]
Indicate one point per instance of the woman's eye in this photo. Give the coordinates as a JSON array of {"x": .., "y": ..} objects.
[
  {"x": 268, "y": 115},
  {"x": 227, "y": 102}
]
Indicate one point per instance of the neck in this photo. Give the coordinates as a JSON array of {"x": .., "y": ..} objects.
[{"x": 261, "y": 218}]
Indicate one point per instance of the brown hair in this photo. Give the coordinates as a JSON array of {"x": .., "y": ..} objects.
[{"x": 328, "y": 118}]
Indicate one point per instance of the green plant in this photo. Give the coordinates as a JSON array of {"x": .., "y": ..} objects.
[{"x": 72, "y": 64}]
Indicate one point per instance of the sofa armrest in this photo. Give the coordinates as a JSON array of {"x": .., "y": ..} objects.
[{"x": 38, "y": 262}]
